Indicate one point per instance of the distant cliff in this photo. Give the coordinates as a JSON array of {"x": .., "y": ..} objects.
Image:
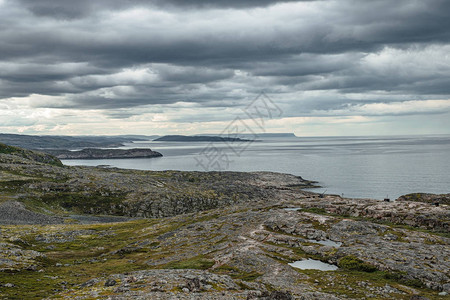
[
  {"x": 198, "y": 138},
  {"x": 91, "y": 153}
]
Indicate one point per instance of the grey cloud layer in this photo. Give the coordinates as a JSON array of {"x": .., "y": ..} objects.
[
  {"x": 68, "y": 9},
  {"x": 120, "y": 54}
]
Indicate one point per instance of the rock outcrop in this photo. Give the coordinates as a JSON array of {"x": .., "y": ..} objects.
[{"x": 436, "y": 199}]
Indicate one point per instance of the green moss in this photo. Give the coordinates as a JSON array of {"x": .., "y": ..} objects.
[
  {"x": 198, "y": 262},
  {"x": 400, "y": 235},
  {"x": 434, "y": 242},
  {"x": 243, "y": 286},
  {"x": 278, "y": 257},
  {"x": 15, "y": 185},
  {"x": 402, "y": 277},
  {"x": 5, "y": 149},
  {"x": 235, "y": 273},
  {"x": 92, "y": 203},
  {"x": 315, "y": 210},
  {"x": 28, "y": 285},
  {"x": 352, "y": 263},
  {"x": 31, "y": 155},
  {"x": 416, "y": 283}
]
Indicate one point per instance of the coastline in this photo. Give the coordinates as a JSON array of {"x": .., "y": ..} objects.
[{"x": 341, "y": 165}]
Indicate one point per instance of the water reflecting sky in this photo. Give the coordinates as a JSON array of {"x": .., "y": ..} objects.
[{"x": 367, "y": 167}]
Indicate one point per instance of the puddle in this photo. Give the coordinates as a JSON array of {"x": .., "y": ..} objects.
[
  {"x": 312, "y": 264},
  {"x": 327, "y": 243},
  {"x": 292, "y": 208}
]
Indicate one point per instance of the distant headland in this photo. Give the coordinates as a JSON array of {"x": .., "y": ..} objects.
[{"x": 198, "y": 138}]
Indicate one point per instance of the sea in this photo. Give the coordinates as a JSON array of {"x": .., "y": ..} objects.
[{"x": 375, "y": 167}]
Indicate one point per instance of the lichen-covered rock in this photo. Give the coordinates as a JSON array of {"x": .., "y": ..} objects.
[{"x": 14, "y": 258}]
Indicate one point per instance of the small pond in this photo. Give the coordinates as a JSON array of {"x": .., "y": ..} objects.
[
  {"x": 312, "y": 264},
  {"x": 292, "y": 208}
]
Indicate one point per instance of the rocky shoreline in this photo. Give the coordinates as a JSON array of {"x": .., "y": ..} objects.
[{"x": 208, "y": 235}]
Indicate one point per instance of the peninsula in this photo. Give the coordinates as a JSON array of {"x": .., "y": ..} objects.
[{"x": 91, "y": 153}]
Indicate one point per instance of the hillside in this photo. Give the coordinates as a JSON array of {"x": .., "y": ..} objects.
[{"x": 16, "y": 152}]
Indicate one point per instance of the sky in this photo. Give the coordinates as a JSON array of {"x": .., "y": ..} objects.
[{"x": 331, "y": 67}]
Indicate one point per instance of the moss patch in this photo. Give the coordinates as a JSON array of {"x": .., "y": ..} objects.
[
  {"x": 235, "y": 273},
  {"x": 355, "y": 264},
  {"x": 198, "y": 262}
]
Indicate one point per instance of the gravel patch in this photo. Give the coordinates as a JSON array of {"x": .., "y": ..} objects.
[
  {"x": 87, "y": 219},
  {"x": 15, "y": 213}
]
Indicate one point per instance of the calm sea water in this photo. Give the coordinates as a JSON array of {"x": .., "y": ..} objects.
[{"x": 360, "y": 167}]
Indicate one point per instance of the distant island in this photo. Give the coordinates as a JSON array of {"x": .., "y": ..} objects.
[
  {"x": 198, "y": 138},
  {"x": 90, "y": 153},
  {"x": 263, "y": 135}
]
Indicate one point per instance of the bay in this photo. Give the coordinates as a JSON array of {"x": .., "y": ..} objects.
[{"x": 358, "y": 167}]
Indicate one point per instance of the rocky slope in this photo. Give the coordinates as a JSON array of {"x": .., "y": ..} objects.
[
  {"x": 13, "y": 154},
  {"x": 209, "y": 236}
]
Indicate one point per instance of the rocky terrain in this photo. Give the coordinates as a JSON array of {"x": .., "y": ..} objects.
[
  {"x": 95, "y": 233},
  {"x": 91, "y": 153}
]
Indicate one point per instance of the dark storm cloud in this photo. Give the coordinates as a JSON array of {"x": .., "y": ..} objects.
[
  {"x": 103, "y": 54},
  {"x": 30, "y": 72},
  {"x": 77, "y": 9}
]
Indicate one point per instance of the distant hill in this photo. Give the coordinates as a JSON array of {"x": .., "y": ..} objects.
[
  {"x": 276, "y": 135},
  {"x": 261, "y": 135},
  {"x": 197, "y": 138},
  {"x": 66, "y": 142}
]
